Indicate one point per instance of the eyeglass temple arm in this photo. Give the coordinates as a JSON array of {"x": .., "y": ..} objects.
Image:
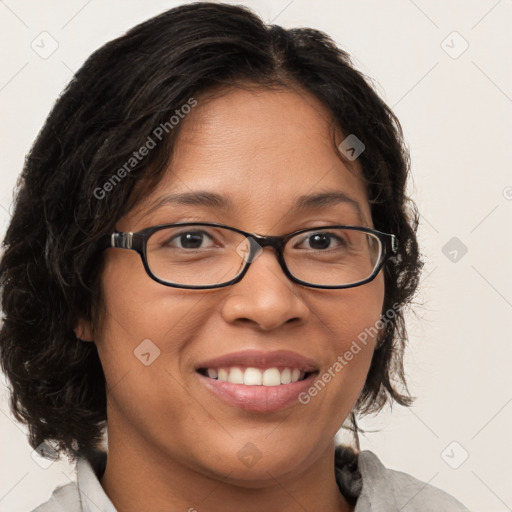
[
  {"x": 393, "y": 244},
  {"x": 119, "y": 240}
]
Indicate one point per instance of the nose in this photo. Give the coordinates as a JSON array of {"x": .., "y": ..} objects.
[{"x": 265, "y": 296}]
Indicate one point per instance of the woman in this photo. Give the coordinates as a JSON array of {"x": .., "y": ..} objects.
[{"x": 210, "y": 253}]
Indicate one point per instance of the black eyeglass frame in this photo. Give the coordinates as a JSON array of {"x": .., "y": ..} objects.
[{"x": 138, "y": 242}]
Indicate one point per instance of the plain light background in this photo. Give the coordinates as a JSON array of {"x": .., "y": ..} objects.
[{"x": 444, "y": 67}]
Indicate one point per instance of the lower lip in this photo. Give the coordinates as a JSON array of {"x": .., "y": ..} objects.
[{"x": 258, "y": 398}]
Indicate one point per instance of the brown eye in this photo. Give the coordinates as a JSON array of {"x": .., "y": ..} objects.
[
  {"x": 190, "y": 240},
  {"x": 322, "y": 240}
]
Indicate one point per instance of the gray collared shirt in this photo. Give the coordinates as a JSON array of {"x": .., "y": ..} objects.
[{"x": 384, "y": 490}]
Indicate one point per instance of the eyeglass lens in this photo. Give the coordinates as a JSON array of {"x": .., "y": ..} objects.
[{"x": 208, "y": 255}]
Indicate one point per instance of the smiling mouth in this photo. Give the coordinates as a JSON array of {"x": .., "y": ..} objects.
[{"x": 251, "y": 376}]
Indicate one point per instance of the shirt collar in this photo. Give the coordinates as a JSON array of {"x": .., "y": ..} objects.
[{"x": 92, "y": 496}]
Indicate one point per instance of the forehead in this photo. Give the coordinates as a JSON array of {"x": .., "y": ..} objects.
[{"x": 263, "y": 150}]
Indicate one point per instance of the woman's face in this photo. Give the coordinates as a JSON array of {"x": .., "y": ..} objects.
[{"x": 260, "y": 150}]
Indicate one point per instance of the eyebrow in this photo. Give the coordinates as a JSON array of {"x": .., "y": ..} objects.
[{"x": 208, "y": 199}]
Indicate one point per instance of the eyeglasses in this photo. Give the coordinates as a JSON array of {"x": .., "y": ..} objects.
[{"x": 208, "y": 255}]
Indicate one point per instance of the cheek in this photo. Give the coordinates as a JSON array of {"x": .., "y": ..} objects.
[
  {"x": 354, "y": 325},
  {"x": 353, "y": 314},
  {"x": 147, "y": 329},
  {"x": 145, "y": 322}
]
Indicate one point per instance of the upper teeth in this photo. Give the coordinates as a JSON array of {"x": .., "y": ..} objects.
[{"x": 255, "y": 376}]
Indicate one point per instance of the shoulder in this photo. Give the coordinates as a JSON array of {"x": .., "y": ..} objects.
[
  {"x": 386, "y": 489},
  {"x": 64, "y": 499},
  {"x": 86, "y": 489}
]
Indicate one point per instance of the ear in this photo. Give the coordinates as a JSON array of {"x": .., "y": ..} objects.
[{"x": 83, "y": 330}]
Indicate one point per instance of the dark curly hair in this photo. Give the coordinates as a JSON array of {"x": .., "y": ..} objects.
[{"x": 50, "y": 271}]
